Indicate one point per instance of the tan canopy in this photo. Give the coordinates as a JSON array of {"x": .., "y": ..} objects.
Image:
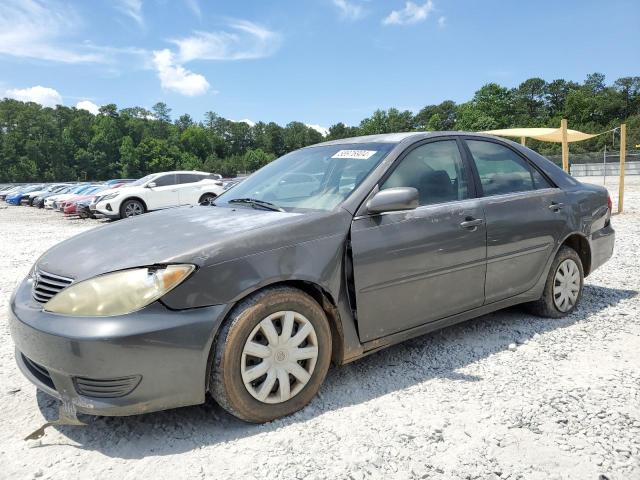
[{"x": 543, "y": 134}]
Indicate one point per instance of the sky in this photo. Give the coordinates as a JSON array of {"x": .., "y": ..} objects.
[{"x": 315, "y": 61}]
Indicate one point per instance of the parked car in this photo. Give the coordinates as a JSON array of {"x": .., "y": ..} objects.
[
  {"x": 9, "y": 190},
  {"x": 250, "y": 300},
  {"x": 39, "y": 200},
  {"x": 69, "y": 206},
  {"x": 52, "y": 201},
  {"x": 158, "y": 191},
  {"x": 83, "y": 207},
  {"x": 29, "y": 198},
  {"x": 16, "y": 197}
]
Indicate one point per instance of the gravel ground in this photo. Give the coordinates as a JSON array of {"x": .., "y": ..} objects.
[{"x": 503, "y": 396}]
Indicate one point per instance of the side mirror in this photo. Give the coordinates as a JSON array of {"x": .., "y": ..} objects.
[
  {"x": 151, "y": 185},
  {"x": 393, "y": 199}
]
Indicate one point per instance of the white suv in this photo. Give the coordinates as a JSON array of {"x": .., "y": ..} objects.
[{"x": 158, "y": 191}]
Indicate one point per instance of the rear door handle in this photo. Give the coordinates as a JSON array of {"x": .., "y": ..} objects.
[
  {"x": 471, "y": 223},
  {"x": 556, "y": 207}
]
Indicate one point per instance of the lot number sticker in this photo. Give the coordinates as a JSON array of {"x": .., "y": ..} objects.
[{"x": 357, "y": 154}]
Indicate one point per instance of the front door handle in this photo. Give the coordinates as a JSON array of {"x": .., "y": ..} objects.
[
  {"x": 556, "y": 207},
  {"x": 471, "y": 223}
]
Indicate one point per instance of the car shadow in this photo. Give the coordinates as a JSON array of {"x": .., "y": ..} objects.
[{"x": 440, "y": 355}]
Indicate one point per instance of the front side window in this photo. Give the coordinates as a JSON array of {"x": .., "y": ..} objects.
[
  {"x": 313, "y": 178},
  {"x": 436, "y": 170},
  {"x": 502, "y": 171},
  {"x": 165, "y": 180}
]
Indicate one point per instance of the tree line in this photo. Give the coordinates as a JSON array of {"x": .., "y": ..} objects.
[{"x": 63, "y": 143}]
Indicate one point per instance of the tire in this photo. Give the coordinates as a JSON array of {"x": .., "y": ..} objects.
[
  {"x": 132, "y": 208},
  {"x": 232, "y": 363},
  {"x": 550, "y": 304},
  {"x": 207, "y": 199}
]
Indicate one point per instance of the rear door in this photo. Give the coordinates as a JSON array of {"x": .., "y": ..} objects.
[
  {"x": 164, "y": 194},
  {"x": 525, "y": 217},
  {"x": 188, "y": 187},
  {"x": 416, "y": 266}
]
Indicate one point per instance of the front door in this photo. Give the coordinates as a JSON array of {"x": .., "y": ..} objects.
[
  {"x": 413, "y": 267},
  {"x": 164, "y": 194},
  {"x": 525, "y": 218}
]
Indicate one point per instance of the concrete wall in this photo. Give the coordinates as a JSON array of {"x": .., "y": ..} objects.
[{"x": 613, "y": 169}]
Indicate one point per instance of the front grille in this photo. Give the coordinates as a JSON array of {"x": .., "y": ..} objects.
[
  {"x": 46, "y": 285},
  {"x": 38, "y": 371},
  {"x": 106, "y": 388}
]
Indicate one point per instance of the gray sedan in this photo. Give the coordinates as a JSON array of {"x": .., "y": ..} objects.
[{"x": 252, "y": 298}]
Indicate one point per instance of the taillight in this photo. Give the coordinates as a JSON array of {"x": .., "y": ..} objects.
[{"x": 609, "y": 203}]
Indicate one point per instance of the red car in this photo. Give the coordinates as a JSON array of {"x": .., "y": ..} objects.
[{"x": 70, "y": 207}]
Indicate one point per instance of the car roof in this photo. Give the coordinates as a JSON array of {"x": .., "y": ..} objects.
[
  {"x": 379, "y": 138},
  {"x": 396, "y": 138}
]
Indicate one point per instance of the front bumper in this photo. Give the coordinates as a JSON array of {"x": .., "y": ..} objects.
[
  {"x": 162, "y": 354},
  {"x": 105, "y": 209}
]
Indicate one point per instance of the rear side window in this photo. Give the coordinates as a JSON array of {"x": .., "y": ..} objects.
[
  {"x": 503, "y": 171},
  {"x": 190, "y": 177},
  {"x": 165, "y": 180},
  {"x": 436, "y": 170}
]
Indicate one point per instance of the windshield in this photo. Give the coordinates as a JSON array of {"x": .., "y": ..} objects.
[
  {"x": 315, "y": 178},
  {"x": 141, "y": 181}
]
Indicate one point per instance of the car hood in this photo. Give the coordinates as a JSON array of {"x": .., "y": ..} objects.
[{"x": 199, "y": 235}]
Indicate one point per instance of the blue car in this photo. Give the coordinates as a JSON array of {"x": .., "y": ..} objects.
[{"x": 15, "y": 198}]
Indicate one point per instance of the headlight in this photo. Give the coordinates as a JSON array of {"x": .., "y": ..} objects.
[
  {"x": 118, "y": 293},
  {"x": 109, "y": 197}
]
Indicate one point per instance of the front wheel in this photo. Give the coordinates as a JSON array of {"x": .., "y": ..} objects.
[
  {"x": 207, "y": 199},
  {"x": 131, "y": 208},
  {"x": 271, "y": 355},
  {"x": 563, "y": 288}
]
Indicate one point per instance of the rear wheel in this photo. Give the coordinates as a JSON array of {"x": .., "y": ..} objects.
[
  {"x": 563, "y": 288},
  {"x": 207, "y": 199},
  {"x": 271, "y": 356},
  {"x": 131, "y": 208}
]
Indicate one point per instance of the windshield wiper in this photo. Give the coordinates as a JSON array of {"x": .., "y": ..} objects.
[{"x": 259, "y": 203}]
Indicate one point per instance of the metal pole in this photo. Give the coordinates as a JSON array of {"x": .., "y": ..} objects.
[
  {"x": 604, "y": 162},
  {"x": 623, "y": 153},
  {"x": 565, "y": 145}
]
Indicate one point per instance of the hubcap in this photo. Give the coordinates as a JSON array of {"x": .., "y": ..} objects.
[
  {"x": 279, "y": 357},
  {"x": 566, "y": 285},
  {"x": 132, "y": 209}
]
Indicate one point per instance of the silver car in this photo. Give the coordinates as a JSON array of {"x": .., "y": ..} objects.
[{"x": 252, "y": 298}]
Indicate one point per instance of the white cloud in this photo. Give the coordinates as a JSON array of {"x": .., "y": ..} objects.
[
  {"x": 175, "y": 77},
  {"x": 47, "y": 97},
  {"x": 442, "y": 22},
  {"x": 251, "y": 123},
  {"x": 244, "y": 40},
  {"x": 32, "y": 29},
  {"x": 88, "y": 106},
  {"x": 132, "y": 9},
  {"x": 318, "y": 128},
  {"x": 411, "y": 13},
  {"x": 349, "y": 10}
]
